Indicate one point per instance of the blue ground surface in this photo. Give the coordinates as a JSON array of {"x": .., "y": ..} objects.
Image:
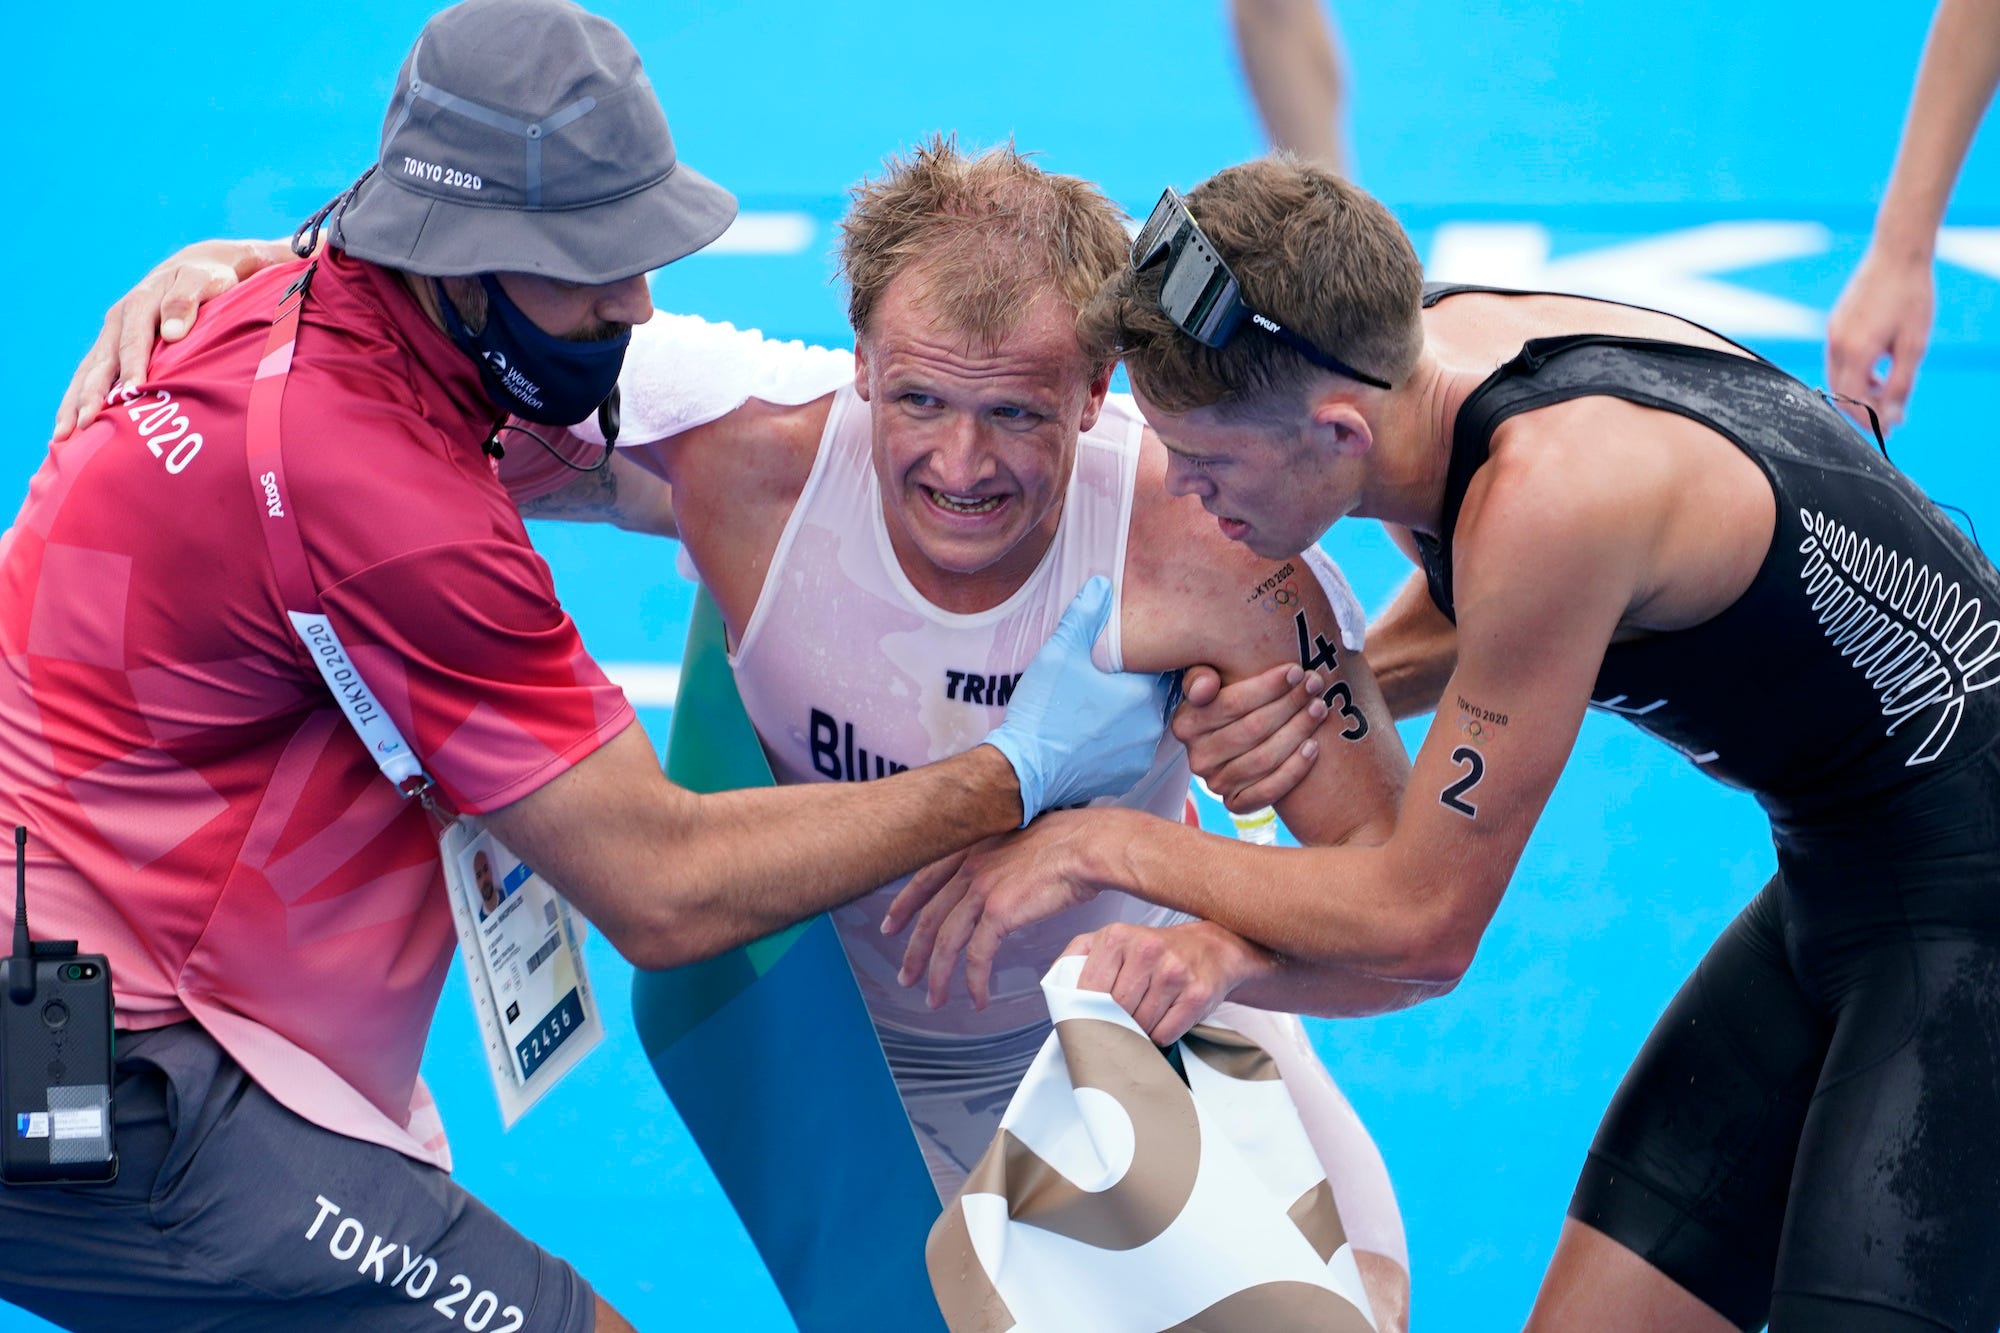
[{"x": 1520, "y": 143}]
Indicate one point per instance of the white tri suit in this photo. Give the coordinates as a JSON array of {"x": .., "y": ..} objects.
[{"x": 849, "y": 674}]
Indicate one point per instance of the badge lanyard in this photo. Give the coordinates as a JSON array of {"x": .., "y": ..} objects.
[{"x": 521, "y": 943}]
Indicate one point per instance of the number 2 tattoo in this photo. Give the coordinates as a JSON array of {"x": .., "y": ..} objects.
[
  {"x": 1479, "y": 725},
  {"x": 1453, "y": 797},
  {"x": 1316, "y": 652}
]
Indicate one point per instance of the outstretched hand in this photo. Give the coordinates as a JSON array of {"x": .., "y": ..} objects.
[
  {"x": 1885, "y": 312},
  {"x": 967, "y": 904},
  {"x": 1251, "y": 742},
  {"x": 160, "y": 309}
]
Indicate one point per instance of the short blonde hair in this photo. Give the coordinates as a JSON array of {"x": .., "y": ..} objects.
[
  {"x": 1312, "y": 251},
  {"x": 988, "y": 231}
]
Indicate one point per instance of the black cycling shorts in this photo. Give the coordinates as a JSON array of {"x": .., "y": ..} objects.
[{"x": 1811, "y": 1134}]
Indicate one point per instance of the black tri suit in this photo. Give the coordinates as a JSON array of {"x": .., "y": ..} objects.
[{"x": 1811, "y": 1134}]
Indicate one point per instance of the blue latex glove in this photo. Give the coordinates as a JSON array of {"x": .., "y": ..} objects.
[{"x": 1074, "y": 732}]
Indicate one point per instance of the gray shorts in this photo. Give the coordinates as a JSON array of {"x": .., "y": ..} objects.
[
  {"x": 955, "y": 1089},
  {"x": 230, "y": 1212}
]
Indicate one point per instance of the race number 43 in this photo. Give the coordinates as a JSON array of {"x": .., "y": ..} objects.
[{"x": 1315, "y": 652}]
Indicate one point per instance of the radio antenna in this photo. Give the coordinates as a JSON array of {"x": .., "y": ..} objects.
[{"x": 21, "y": 976}]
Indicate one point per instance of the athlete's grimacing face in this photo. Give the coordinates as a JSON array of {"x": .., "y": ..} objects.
[
  {"x": 1253, "y": 477},
  {"x": 973, "y": 446}
]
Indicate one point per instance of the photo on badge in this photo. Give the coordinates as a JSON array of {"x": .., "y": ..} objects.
[{"x": 523, "y": 957}]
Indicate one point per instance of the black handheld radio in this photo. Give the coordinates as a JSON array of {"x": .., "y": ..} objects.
[{"x": 55, "y": 1056}]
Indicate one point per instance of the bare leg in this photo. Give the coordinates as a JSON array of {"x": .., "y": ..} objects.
[
  {"x": 1594, "y": 1283},
  {"x": 1288, "y": 57},
  {"x": 1388, "y": 1286},
  {"x": 609, "y": 1320}
]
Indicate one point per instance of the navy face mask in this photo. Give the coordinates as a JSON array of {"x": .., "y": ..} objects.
[{"x": 530, "y": 373}]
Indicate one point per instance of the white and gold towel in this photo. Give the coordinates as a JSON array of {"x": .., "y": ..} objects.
[{"x": 1118, "y": 1199}]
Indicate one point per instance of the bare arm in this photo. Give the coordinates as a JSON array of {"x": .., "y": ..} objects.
[
  {"x": 671, "y": 876},
  {"x": 1251, "y": 741},
  {"x": 1550, "y": 563},
  {"x": 1413, "y": 649},
  {"x": 1887, "y": 307},
  {"x": 1955, "y": 81},
  {"x": 1193, "y": 595},
  {"x": 620, "y": 493},
  {"x": 1294, "y": 74}
]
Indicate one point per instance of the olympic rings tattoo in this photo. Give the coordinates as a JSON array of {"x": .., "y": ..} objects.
[{"x": 1280, "y": 598}]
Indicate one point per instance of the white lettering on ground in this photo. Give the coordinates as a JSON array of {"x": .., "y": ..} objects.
[
  {"x": 1671, "y": 271},
  {"x": 1976, "y": 248}
]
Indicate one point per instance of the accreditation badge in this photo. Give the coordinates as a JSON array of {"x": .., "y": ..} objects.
[{"x": 523, "y": 952}]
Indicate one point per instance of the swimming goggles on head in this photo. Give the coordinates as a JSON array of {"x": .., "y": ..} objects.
[{"x": 1202, "y": 297}]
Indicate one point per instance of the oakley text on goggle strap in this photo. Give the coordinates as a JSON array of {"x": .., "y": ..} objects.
[{"x": 1202, "y": 297}]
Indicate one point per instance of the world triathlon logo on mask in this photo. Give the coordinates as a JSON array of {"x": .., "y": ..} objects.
[
  {"x": 513, "y": 380},
  {"x": 1920, "y": 641}
]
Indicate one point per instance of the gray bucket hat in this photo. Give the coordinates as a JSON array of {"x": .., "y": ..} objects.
[{"x": 524, "y": 138}]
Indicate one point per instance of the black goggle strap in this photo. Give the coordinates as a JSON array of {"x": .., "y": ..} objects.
[
  {"x": 1200, "y": 294},
  {"x": 1311, "y": 353}
]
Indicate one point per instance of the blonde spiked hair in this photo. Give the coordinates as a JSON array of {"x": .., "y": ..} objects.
[{"x": 987, "y": 232}]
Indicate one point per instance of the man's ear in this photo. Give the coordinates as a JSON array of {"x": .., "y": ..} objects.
[
  {"x": 1100, "y": 384},
  {"x": 861, "y": 368},
  {"x": 1336, "y": 428}
]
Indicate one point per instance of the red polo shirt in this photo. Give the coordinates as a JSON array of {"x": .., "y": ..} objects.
[{"x": 199, "y": 810}]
